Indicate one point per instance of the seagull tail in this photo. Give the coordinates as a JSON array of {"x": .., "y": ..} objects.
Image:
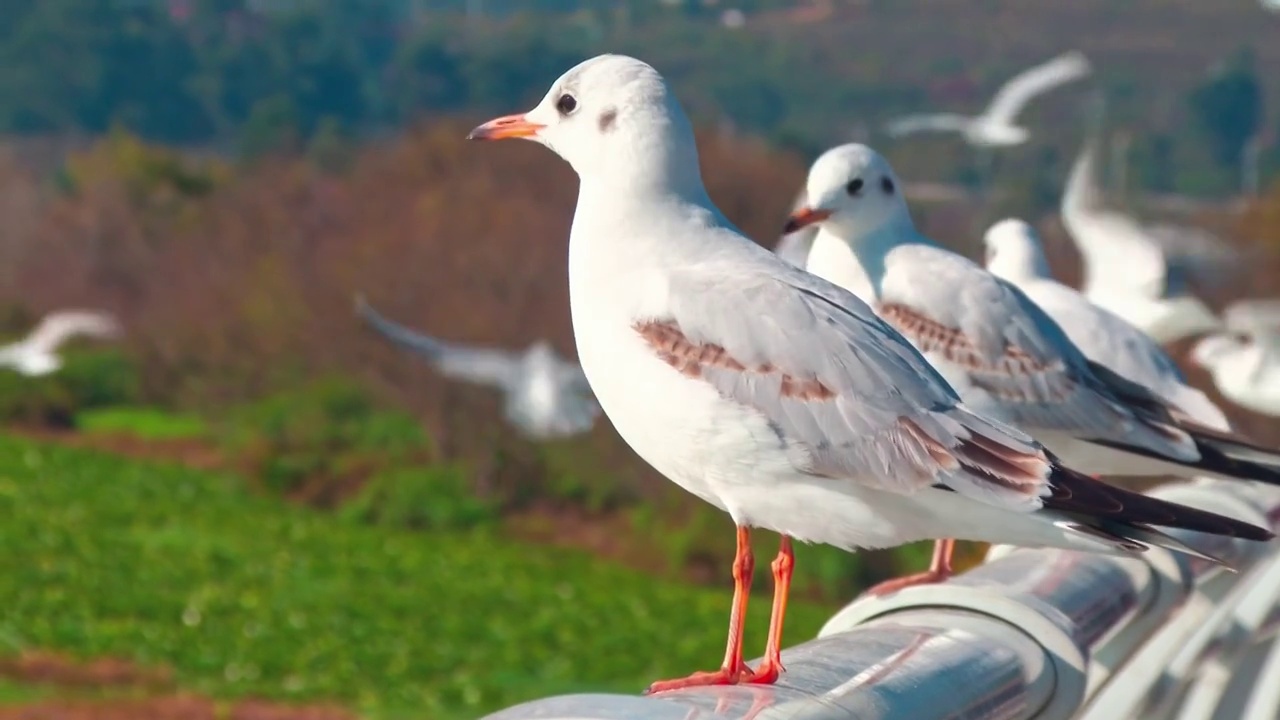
[{"x": 1104, "y": 509}]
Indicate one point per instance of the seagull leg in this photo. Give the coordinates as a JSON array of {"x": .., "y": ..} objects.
[
  {"x": 782, "y": 566},
  {"x": 733, "y": 670},
  {"x": 939, "y": 570}
]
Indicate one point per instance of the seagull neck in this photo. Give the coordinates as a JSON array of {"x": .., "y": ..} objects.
[{"x": 871, "y": 248}]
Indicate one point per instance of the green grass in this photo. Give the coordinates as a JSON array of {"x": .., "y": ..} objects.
[
  {"x": 243, "y": 595},
  {"x": 143, "y": 422}
]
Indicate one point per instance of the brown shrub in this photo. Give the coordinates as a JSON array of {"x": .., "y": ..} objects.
[{"x": 235, "y": 289}]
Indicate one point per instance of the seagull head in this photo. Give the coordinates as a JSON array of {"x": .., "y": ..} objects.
[
  {"x": 851, "y": 189},
  {"x": 614, "y": 119},
  {"x": 1014, "y": 251}
]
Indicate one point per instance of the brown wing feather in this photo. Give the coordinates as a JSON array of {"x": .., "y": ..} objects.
[{"x": 932, "y": 336}]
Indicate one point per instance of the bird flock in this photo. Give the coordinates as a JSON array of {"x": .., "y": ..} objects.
[
  {"x": 862, "y": 385},
  {"x": 866, "y": 387}
]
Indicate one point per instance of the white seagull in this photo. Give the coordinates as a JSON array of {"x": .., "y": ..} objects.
[
  {"x": 1014, "y": 252},
  {"x": 1245, "y": 363},
  {"x": 770, "y": 393},
  {"x": 36, "y": 353},
  {"x": 1001, "y": 351},
  {"x": 546, "y": 396},
  {"x": 995, "y": 126},
  {"x": 1143, "y": 273}
]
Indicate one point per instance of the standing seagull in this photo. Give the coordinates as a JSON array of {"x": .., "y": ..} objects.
[
  {"x": 770, "y": 393},
  {"x": 1143, "y": 273},
  {"x": 995, "y": 126},
  {"x": 35, "y": 354},
  {"x": 1001, "y": 351},
  {"x": 1015, "y": 254},
  {"x": 546, "y": 396},
  {"x": 1245, "y": 363}
]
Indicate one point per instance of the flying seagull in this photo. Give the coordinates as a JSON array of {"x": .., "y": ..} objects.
[
  {"x": 1245, "y": 361},
  {"x": 1143, "y": 273},
  {"x": 995, "y": 126},
  {"x": 35, "y": 354},
  {"x": 547, "y": 397}
]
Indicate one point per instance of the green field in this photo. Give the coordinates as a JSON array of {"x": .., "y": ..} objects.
[{"x": 243, "y": 595}]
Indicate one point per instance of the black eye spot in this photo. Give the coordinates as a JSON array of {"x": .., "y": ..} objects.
[
  {"x": 566, "y": 104},
  {"x": 854, "y": 187},
  {"x": 887, "y": 185},
  {"x": 607, "y": 119}
]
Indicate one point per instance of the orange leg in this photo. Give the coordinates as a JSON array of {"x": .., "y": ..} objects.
[
  {"x": 939, "y": 570},
  {"x": 782, "y": 566},
  {"x": 733, "y": 670}
]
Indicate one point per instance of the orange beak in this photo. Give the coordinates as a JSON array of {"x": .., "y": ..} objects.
[
  {"x": 804, "y": 217},
  {"x": 507, "y": 126}
]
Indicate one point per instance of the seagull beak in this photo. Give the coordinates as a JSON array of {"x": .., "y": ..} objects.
[
  {"x": 507, "y": 126},
  {"x": 804, "y": 217}
]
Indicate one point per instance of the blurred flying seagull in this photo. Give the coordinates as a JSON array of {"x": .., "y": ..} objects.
[
  {"x": 995, "y": 126},
  {"x": 1143, "y": 273},
  {"x": 546, "y": 396},
  {"x": 34, "y": 354},
  {"x": 1245, "y": 361}
]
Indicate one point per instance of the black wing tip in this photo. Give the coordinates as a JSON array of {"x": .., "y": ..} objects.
[
  {"x": 1216, "y": 460},
  {"x": 1078, "y": 493}
]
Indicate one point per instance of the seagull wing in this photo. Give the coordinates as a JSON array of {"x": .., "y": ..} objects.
[
  {"x": 58, "y": 327},
  {"x": 1016, "y": 93},
  {"x": 1248, "y": 316},
  {"x": 935, "y": 122},
  {"x": 484, "y": 366},
  {"x": 988, "y": 337},
  {"x": 847, "y": 396}
]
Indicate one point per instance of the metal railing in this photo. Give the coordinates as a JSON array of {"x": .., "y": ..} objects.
[{"x": 1045, "y": 634}]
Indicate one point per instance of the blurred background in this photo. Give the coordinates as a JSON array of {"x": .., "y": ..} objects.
[{"x": 250, "y": 505}]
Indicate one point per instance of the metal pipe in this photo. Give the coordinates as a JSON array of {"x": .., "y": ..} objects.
[{"x": 1029, "y": 634}]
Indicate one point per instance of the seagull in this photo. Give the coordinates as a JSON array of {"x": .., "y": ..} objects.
[
  {"x": 1245, "y": 363},
  {"x": 34, "y": 354},
  {"x": 770, "y": 393},
  {"x": 1004, "y": 354},
  {"x": 995, "y": 126},
  {"x": 794, "y": 247},
  {"x": 1014, "y": 252},
  {"x": 547, "y": 397},
  {"x": 1143, "y": 273}
]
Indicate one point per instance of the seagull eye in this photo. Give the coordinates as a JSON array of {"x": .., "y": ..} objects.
[
  {"x": 566, "y": 104},
  {"x": 854, "y": 187},
  {"x": 886, "y": 184}
]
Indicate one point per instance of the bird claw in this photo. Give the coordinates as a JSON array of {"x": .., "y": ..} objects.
[{"x": 723, "y": 676}]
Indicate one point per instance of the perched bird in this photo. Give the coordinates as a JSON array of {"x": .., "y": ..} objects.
[
  {"x": 995, "y": 126},
  {"x": 546, "y": 396},
  {"x": 1245, "y": 362},
  {"x": 770, "y": 393},
  {"x": 794, "y": 247},
  {"x": 1143, "y": 273},
  {"x": 1014, "y": 253},
  {"x": 35, "y": 354},
  {"x": 1004, "y": 354}
]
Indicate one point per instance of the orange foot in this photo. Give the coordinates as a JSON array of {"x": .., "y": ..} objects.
[
  {"x": 896, "y": 584},
  {"x": 723, "y": 676}
]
